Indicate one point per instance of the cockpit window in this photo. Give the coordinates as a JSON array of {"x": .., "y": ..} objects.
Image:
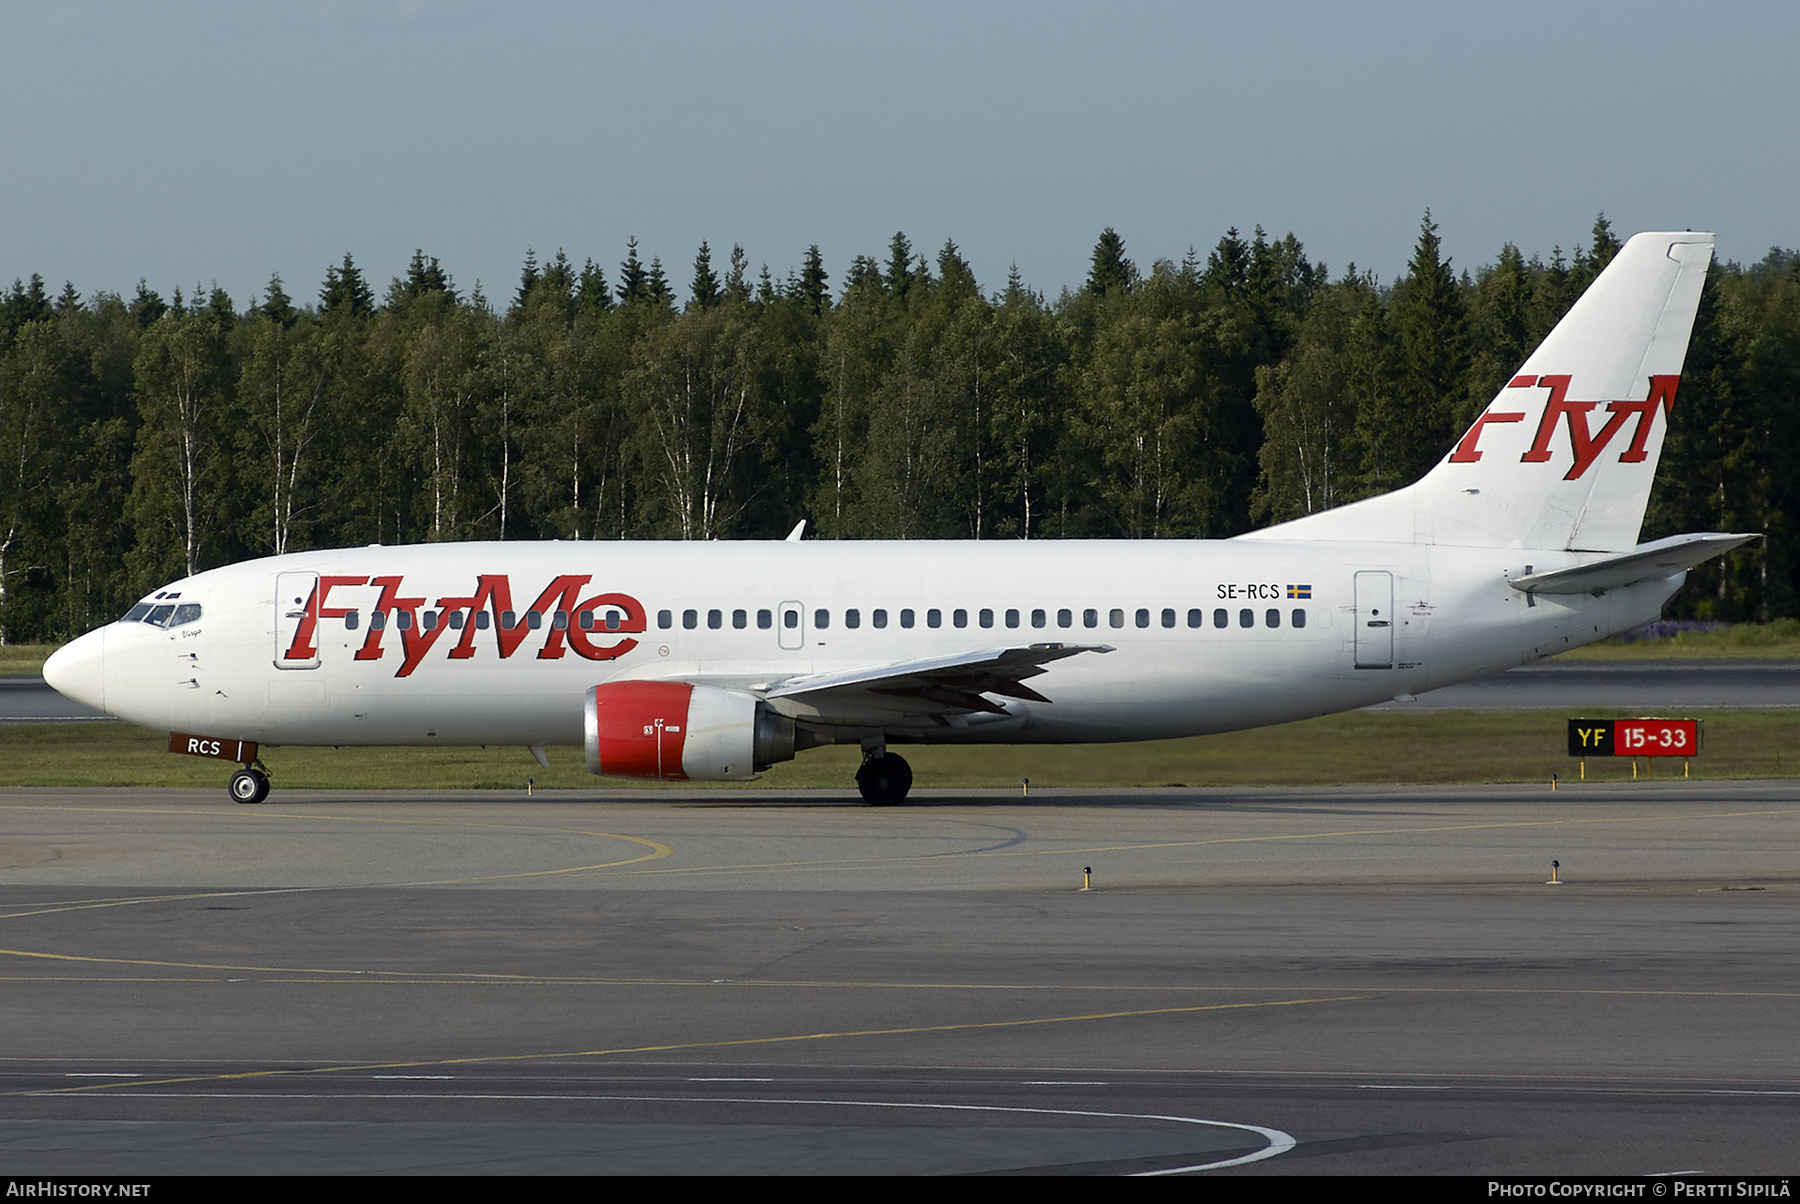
[{"x": 165, "y": 614}]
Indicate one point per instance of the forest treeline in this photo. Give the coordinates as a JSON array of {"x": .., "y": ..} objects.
[{"x": 142, "y": 438}]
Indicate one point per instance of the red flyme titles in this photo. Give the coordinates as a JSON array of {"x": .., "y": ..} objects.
[
  {"x": 1583, "y": 441},
  {"x": 559, "y": 611}
]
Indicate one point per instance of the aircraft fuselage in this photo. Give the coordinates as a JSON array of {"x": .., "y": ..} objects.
[{"x": 492, "y": 649}]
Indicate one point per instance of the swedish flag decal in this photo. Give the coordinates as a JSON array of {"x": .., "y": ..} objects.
[{"x": 1299, "y": 591}]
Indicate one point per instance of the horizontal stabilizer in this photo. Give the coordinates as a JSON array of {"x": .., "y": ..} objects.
[{"x": 1662, "y": 558}]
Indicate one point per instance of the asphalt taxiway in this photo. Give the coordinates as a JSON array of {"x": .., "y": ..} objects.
[
  {"x": 1258, "y": 982},
  {"x": 28, "y": 698}
]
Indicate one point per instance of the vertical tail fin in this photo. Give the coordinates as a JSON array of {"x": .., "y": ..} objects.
[{"x": 1565, "y": 454}]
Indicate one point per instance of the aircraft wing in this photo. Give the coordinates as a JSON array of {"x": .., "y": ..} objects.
[
  {"x": 939, "y": 685},
  {"x": 1659, "y": 558}
]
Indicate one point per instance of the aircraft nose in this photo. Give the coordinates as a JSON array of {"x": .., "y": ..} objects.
[{"x": 77, "y": 669}]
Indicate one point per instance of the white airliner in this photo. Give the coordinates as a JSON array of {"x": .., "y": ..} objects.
[{"x": 712, "y": 661}]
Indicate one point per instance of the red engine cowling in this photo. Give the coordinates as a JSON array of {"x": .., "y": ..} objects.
[{"x": 671, "y": 731}]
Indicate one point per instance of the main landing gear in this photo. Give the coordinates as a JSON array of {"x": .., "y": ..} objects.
[
  {"x": 884, "y": 779},
  {"x": 249, "y": 784}
]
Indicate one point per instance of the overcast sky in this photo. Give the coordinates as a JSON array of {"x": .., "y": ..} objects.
[{"x": 203, "y": 142}]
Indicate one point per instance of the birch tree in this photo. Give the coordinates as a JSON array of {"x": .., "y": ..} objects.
[
  {"x": 693, "y": 391},
  {"x": 34, "y": 385},
  {"x": 281, "y": 387},
  {"x": 180, "y": 469}
]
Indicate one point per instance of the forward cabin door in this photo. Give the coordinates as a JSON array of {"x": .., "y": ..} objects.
[
  {"x": 296, "y": 601},
  {"x": 1374, "y": 620}
]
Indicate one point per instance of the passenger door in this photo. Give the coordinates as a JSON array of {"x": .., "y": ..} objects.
[
  {"x": 1374, "y": 620},
  {"x": 296, "y": 599}
]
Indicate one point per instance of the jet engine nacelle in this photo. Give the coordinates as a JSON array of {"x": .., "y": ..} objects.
[{"x": 671, "y": 731}]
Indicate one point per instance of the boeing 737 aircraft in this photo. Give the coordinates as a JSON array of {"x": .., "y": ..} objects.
[{"x": 712, "y": 661}]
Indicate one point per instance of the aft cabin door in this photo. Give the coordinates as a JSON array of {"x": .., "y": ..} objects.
[
  {"x": 296, "y": 639},
  {"x": 1374, "y": 620}
]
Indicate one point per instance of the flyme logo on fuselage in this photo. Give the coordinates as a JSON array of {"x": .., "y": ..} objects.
[
  {"x": 567, "y": 622},
  {"x": 1586, "y": 445}
]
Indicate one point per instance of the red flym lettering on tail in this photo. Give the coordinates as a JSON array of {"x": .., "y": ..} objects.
[{"x": 1584, "y": 443}]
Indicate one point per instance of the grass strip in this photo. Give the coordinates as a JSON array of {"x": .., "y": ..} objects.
[
  {"x": 1356, "y": 748},
  {"x": 1779, "y": 640}
]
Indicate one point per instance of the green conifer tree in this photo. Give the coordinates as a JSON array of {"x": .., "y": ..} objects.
[
  {"x": 634, "y": 281},
  {"x": 528, "y": 280},
  {"x": 1109, "y": 271},
  {"x": 1430, "y": 319},
  {"x": 345, "y": 291},
  {"x": 277, "y": 304},
  {"x": 703, "y": 291},
  {"x": 737, "y": 287},
  {"x": 899, "y": 266},
  {"x": 656, "y": 284},
  {"x": 146, "y": 305},
  {"x": 813, "y": 280},
  {"x": 591, "y": 292}
]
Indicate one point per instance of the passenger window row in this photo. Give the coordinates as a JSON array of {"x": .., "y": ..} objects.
[
  {"x": 613, "y": 619},
  {"x": 853, "y": 618}
]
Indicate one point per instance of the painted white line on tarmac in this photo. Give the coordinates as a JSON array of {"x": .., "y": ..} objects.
[{"x": 1279, "y": 1142}]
